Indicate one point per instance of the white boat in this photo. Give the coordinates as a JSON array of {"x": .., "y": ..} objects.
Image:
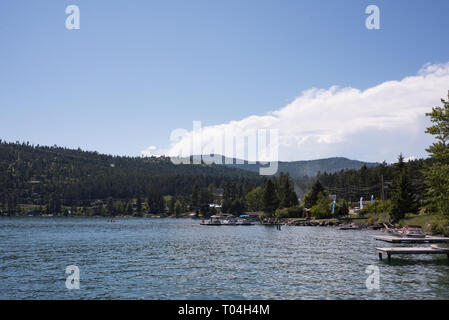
[
  {"x": 412, "y": 232},
  {"x": 213, "y": 221},
  {"x": 228, "y": 222},
  {"x": 243, "y": 222}
]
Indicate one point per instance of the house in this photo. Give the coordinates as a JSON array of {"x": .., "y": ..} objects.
[{"x": 215, "y": 206}]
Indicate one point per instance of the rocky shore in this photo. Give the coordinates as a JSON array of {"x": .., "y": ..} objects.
[{"x": 325, "y": 223}]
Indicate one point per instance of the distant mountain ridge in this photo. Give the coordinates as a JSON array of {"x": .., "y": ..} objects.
[
  {"x": 298, "y": 169},
  {"x": 311, "y": 168}
]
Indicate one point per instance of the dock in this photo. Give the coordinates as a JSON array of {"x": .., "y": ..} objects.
[
  {"x": 412, "y": 250},
  {"x": 393, "y": 239}
]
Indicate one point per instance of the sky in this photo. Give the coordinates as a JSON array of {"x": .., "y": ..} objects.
[{"x": 137, "y": 70}]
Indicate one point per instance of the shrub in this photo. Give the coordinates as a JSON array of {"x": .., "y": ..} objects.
[
  {"x": 369, "y": 208},
  {"x": 322, "y": 209},
  {"x": 376, "y": 207},
  {"x": 292, "y": 212},
  {"x": 371, "y": 220},
  {"x": 341, "y": 208},
  {"x": 440, "y": 226},
  {"x": 263, "y": 216}
]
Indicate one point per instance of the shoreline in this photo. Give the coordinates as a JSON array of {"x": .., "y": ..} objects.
[{"x": 347, "y": 223}]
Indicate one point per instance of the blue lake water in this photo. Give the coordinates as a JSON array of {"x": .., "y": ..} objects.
[{"x": 179, "y": 259}]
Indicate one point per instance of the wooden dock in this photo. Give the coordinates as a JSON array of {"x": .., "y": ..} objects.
[
  {"x": 412, "y": 250},
  {"x": 393, "y": 239}
]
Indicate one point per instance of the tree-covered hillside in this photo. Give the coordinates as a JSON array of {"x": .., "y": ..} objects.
[
  {"x": 310, "y": 168},
  {"x": 36, "y": 174},
  {"x": 364, "y": 182}
]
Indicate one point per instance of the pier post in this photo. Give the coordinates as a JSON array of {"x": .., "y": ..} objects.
[
  {"x": 380, "y": 255},
  {"x": 389, "y": 257}
]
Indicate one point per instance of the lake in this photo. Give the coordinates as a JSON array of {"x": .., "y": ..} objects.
[{"x": 179, "y": 259}]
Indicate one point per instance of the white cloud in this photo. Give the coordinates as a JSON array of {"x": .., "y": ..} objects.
[
  {"x": 374, "y": 124},
  {"x": 411, "y": 158},
  {"x": 148, "y": 152}
]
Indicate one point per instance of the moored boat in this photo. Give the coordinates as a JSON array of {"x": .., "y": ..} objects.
[
  {"x": 412, "y": 232},
  {"x": 213, "y": 221},
  {"x": 228, "y": 222},
  {"x": 243, "y": 221}
]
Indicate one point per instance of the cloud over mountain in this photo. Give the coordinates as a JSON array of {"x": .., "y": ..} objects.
[{"x": 374, "y": 124}]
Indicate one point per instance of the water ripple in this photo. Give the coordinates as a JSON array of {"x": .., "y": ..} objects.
[{"x": 179, "y": 259}]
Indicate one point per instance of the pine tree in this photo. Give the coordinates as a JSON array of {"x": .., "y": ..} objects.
[
  {"x": 171, "y": 205},
  {"x": 110, "y": 206},
  {"x": 287, "y": 195},
  {"x": 402, "y": 200},
  {"x": 311, "y": 198},
  {"x": 270, "y": 199},
  {"x": 203, "y": 201},
  {"x": 129, "y": 208},
  {"x": 437, "y": 173},
  {"x": 194, "y": 198},
  {"x": 237, "y": 207},
  {"x": 178, "y": 208},
  {"x": 139, "y": 204},
  {"x": 155, "y": 203}
]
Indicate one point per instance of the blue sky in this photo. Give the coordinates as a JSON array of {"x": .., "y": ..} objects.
[{"x": 136, "y": 70}]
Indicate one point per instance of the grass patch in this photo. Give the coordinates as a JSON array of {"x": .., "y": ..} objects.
[
  {"x": 372, "y": 217},
  {"x": 424, "y": 221}
]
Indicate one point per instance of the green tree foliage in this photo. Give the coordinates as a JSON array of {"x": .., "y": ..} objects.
[
  {"x": 234, "y": 196},
  {"x": 353, "y": 184},
  {"x": 155, "y": 202},
  {"x": 170, "y": 200},
  {"x": 291, "y": 212},
  {"x": 286, "y": 191},
  {"x": 44, "y": 176},
  {"x": 237, "y": 207},
  {"x": 139, "y": 204},
  {"x": 437, "y": 172},
  {"x": 195, "y": 198},
  {"x": 270, "y": 199},
  {"x": 276, "y": 192},
  {"x": 253, "y": 199},
  {"x": 205, "y": 198},
  {"x": 178, "y": 209},
  {"x": 54, "y": 204},
  {"x": 402, "y": 199},
  {"x": 377, "y": 207},
  {"x": 129, "y": 208},
  {"x": 110, "y": 206},
  {"x": 311, "y": 198},
  {"x": 341, "y": 208},
  {"x": 322, "y": 208}
]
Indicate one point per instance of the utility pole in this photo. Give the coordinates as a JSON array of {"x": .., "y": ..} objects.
[{"x": 383, "y": 196}]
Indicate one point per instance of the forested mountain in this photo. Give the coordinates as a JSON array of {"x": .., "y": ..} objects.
[
  {"x": 310, "y": 168},
  {"x": 36, "y": 174},
  {"x": 55, "y": 177}
]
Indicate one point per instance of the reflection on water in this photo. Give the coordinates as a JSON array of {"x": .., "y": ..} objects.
[{"x": 179, "y": 259}]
